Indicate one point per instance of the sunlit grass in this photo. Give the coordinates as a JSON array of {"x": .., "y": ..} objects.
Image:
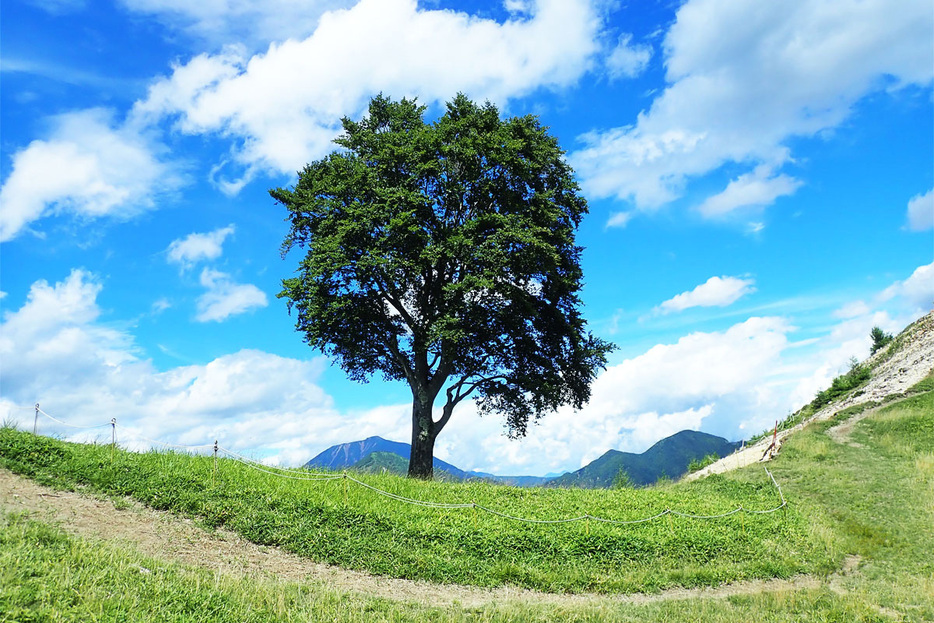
[
  {"x": 342, "y": 523},
  {"x": 872, "y": 503}
]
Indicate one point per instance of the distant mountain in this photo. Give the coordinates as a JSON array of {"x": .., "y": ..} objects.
[
  {"x": 391, "y": 463},
  {"x": 669, "y": 457},
  {"x": 346, "y": 455},
  {"x": 381, "y": 462},
  {"x": 359, "y": 455}
]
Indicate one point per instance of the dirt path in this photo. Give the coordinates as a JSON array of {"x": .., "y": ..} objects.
[
  {"x": 165, "y": 536},
  {"x": 841, "y": 432}
]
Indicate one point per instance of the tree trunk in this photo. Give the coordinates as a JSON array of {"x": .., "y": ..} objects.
[{"x": 421, "y": 461}]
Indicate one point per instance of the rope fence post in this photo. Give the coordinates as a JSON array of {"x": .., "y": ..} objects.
[
  {"x": 214, "y": 473},
  {"x": 35, "y": 422},
  {"x": 113, "y": 437},
  {"x": 345, "y": 488}
]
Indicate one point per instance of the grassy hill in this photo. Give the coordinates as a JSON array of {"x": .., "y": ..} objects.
[
  {"x": 868, "y": 500},
  {"x": 669, "y": 457},
  {"x": 355, "y": 455},
  {"x": 392, "y": 463},
  {"x": 861, "y": 507}
]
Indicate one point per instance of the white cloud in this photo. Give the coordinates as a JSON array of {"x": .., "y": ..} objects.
[
  {"x": 626, "y": 60},
  {"x": 58, "y": 352},
  {"x": 270, "y": 406},
  {"x": 250, "y": 21},
  {"x": 730, "y": 382},
  {"x": 518, "y": 6},
  {"x": 715, "y": 292},
  {"x": 225, "y": 298},
  {"x": 921, "y": 212},
  {"x": 744, "y": 77},
  {"x": 619, "y": 219},
  {"x": 284, "y": 106},
  {"x": 198, "y": 247},
  {"x": 55, "y": 334},
  {"x": 892, "y": 309},
  {"x": 756, "y": 189},
  {"x": 852, "y": 309},
  {"x": 161, "y": 305},
  {"x": 89, "y": 167},
  {"x": 917, "y": 291},
  {"x": 726, "y": 381}
]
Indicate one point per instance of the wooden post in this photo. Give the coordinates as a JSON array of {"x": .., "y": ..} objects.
[
  {"x": 214, "y": 473},
  {"x": 113, "y": 437},
  {"x": 770, "y": 450}
]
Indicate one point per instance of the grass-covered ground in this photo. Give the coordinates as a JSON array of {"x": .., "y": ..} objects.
[
  {"x": 340, "y": 522},
  {"x": 873, "y": 501}
]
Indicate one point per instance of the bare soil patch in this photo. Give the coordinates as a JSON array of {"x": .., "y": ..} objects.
[{"x": 165, "y": 536}]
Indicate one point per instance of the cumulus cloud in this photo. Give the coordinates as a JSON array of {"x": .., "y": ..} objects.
[
  {"x": 271, "y": 407},
  {"x": 745, "y": 77},
  {"x": 283, "y": 107},
  {"x": 728, "y": 382},
  {"x": 627, "y": 60},
  {"x": 89, "y": 167},
  {"x": 917, "y": 290},
  {"x": 921, "y": 212},
  {"x": 715, "y": 292},
  {"x": 225, "y": 298},
  {"x": 59, "y": 352},
  {"x": 199, "y": 247},
  {"x": 756, "y": 189}
]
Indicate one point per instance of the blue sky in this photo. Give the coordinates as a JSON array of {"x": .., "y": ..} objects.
[{"x": 759, "y": 178}]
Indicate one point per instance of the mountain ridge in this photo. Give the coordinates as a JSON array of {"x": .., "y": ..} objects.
[{"x": 669, "y": 457}]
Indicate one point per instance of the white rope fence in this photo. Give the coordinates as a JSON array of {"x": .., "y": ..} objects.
[{"x": 306, "y": 475}]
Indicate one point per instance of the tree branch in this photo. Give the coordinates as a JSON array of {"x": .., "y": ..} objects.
[{"x": 393, "y": 345}]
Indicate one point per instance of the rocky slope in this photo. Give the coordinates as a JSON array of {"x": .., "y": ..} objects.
[{"x": 906, "y": 360}]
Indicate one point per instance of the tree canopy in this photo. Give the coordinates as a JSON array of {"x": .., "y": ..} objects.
[
  {"x": 879, "y": 339},
  {"x": 443, "y": 254}
]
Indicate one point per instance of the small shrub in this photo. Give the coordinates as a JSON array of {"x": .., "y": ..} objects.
[
  {"x": 698, "y": 464},
  {"x": 880, "y": 339},
  {"x": 843, "y": 384}
]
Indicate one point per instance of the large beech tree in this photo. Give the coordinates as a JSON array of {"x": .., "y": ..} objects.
[{"x": 442, "y": 254}]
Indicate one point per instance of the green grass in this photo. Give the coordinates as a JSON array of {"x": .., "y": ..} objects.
[
  {"x": 874, "y": 501},
  {"x": 46, "y": 575},
  {"x": 342, "y": 523}
]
